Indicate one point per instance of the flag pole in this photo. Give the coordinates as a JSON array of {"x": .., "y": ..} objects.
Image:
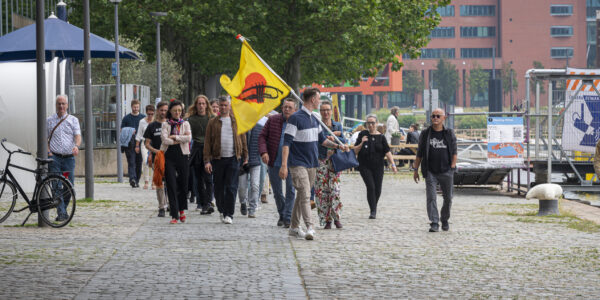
[{"x": 242, "y": 39}]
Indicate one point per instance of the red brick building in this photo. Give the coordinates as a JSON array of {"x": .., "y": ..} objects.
[{"x": 518, "y": 31}]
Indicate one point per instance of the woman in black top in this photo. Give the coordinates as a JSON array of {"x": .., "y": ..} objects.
[{"x": 371, "y": 147}]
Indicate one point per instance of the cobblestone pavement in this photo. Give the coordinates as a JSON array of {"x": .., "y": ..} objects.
[{"x": 116, "y": 247}]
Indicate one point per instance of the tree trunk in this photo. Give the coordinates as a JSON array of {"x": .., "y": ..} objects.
[{"x": 291, "y": 72}]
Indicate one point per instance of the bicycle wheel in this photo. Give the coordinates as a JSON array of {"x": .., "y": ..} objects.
[
  {"x": 8, "y": 198},
  {"x": 56, "y": 201}
]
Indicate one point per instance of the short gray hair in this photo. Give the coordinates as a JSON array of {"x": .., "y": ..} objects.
[
  {"x": 373, "y": 116},
  {"x": 63, "y": 96}
]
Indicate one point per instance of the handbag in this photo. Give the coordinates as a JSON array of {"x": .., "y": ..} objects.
[{"x": 343, "y": 160}]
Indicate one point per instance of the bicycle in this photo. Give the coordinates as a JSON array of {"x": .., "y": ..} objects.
[{"x": 53, "y": 196}]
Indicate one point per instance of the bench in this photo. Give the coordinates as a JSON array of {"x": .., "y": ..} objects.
[{"x": 399, "y": 157}]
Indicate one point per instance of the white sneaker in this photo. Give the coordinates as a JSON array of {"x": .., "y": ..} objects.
[
  {"x": 297, "y": 232},
  {"x": 228, "y": 220},
  {"x": 310, "y": 234},
  {"x": 222, "y": 218}
]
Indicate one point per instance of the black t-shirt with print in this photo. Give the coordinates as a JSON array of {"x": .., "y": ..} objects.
[
  {"x": 439, "y": 161},
  {"x": 153, "y": 134}
]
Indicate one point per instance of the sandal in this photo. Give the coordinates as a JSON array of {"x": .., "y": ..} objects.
[{"x": 146, "y": 185}]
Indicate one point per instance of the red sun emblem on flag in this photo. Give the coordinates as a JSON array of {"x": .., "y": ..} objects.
[{"x": 256, "y": 89}]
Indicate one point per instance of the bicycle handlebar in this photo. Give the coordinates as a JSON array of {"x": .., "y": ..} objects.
[{"x": 11, "y": 152}]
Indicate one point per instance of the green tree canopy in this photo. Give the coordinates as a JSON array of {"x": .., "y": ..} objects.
[
  {"x": 506, "y": 70},
  {"x": 445, "y": 79},
  {"x": 478, "y": 80},
  {"x": 412, "y": 82},
  {"x": 305, "y": 41}
]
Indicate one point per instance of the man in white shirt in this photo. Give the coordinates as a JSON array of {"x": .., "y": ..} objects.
[
  {"x": 391, "y": 124},
  {"x": 64, "y": 138}
]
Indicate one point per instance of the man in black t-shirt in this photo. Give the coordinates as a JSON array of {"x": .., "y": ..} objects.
[
  {"x": 153, "y": 141},
  {"x": 437, "y": 156}
]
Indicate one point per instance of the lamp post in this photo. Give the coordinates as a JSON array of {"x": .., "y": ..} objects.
[
  {"x": 118, "y": 93},
  {"x": 156, "y": 16}
]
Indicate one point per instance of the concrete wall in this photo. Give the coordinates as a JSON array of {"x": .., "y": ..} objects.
[{"x": 105, "y": 163}]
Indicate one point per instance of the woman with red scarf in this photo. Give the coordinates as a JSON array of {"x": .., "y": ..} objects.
[{"x": 176, "y": 135}]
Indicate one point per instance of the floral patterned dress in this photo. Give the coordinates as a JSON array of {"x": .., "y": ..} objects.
[
  {"x": 327, "y": 192},
  {"x": 327, "y": 185}
]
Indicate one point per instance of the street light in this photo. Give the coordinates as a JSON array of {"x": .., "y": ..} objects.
[
  {"x": 118, "y": 93},
  {"x": 156, "y": 15}
]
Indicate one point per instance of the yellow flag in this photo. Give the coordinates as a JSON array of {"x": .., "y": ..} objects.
[
  {"x": 336, "y": 108},
  {"x": 254, "y": 90}
]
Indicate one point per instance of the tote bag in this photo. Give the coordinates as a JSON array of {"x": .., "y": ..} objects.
[{"x": 343, "y": 160}]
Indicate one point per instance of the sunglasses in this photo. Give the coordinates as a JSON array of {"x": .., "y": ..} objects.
[
  {"x": 436, "y": 116},
  {"x": 370, "y": 123}
]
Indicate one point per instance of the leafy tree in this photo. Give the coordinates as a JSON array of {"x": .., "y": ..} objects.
[
  {"x": 305, "y": 41},
  {"x": 478, "y": 80},
  {"x": 506, "y": 70},
  {"x": 141, "y": 72},
  {"x": 538, "y": 65},
  {"x": 445, "y": 79},
  {"x": 412, "y": 82}
]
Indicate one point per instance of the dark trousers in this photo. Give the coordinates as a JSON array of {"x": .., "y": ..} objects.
[
  {"x": 203, "y": 182},
  {"x": 134, "y": 162},
  {"x": 225, "y": 179},
  {"x": 446, "y": 181},
  {"x": 176, "y": 176},
  {"x": 373, "y": 178}
]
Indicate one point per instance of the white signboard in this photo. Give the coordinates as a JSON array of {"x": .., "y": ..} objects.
[
  {"x": 505, "y": 140},
  {"x": 581, "y": 127}
]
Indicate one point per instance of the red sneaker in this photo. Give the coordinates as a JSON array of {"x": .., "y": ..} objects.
[
  {"x": 181, "y": 216},
  {"x": 173, "y": 221}
]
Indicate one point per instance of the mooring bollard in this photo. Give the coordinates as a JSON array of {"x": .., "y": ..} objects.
[{"x": 547, "y": 195}]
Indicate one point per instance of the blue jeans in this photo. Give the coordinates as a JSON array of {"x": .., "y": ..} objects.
[
  {"x": 134, "y": 162},
  {"x": 284, "y": 205},
  {"x": 58, "y": 166}
]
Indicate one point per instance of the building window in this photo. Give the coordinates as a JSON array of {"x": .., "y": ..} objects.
[
  {"x": 400, "y": 99},
  {"x": 437, "y": 53},
  {"x": 561, "y": 52},
  {"x": 446, "y": 11},
  {"x": 476, "y": 52},
  {"x": 561, "y": 10},
  {"x": 591, "y": 7},
  {"x": 477, "y": 10},
  {"x": 477, "y": 31},
  {"x": 591, "y": 33},
  {"x": 442, "y": 32},
  {"x": 558, "y": 31}
]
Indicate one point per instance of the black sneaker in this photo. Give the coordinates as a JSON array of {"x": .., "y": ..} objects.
[
  {"x": 445, "y": 226},
  {"x": 373, "y": 215},
  {"x": 210, "y": 210},
  {"x": 204, "y": 211},
  {"x": 434, "y": 227},
  {"x": 61, "y": 218},
  {"x": 161, "y": 212},
  {"x": 286, "y": 224},
  {"x": 132, "y": 183},
  {"x": 244, "y": 209},
  {"x": 280, "y": 223}
]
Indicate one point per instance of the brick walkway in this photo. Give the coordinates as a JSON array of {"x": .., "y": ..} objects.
[{"x": 120, "y": 249}]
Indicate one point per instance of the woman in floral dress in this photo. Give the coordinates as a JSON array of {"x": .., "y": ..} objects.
[{"x": 327, "y": 185}]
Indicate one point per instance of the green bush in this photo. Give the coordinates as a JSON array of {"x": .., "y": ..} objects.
[
  {"x": 472, "y": 122},
  {"x": 406, "y": 121},
  {"x": 382, "y": 115}
]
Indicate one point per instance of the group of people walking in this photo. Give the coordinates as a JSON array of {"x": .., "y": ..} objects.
[{"x": 293, "y": 144}]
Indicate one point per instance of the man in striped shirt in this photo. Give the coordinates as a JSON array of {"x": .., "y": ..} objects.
[{"x": 303, "y": 134}]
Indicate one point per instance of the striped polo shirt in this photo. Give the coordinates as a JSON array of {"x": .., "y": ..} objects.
[{"x": 303, "y": 134}]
